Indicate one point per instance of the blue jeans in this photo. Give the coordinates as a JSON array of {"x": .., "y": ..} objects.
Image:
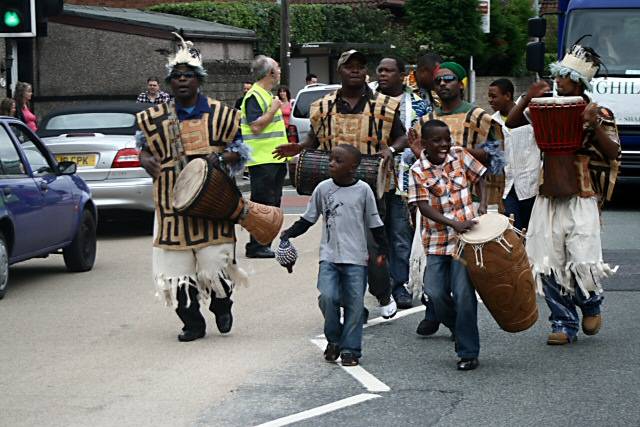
[
  {"x": 390, "y": 279},
  {"x": 521, "y": 209},
  {"x": 343, "y": 285},
  {"x": 454, "y": 300},
  {"x": 398, "y": 228},
  {"x": 564, "y": 316}
]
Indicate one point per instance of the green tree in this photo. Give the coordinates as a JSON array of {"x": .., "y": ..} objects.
[
  {"x": 505, "y": 45},
  {"x": 449, "y": 27}
]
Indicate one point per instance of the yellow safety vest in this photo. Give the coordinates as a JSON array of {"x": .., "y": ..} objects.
[{"x": 274, "y": 134}]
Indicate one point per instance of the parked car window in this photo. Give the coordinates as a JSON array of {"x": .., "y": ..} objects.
[
  {"x": 91, "y": 121},
  {"x": 38, "y": 161},
  {"x": 9, "y": 157},
  {"x": 304, "y": 100}
]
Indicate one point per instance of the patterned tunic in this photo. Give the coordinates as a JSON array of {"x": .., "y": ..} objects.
[{"x": 211, "y": 133}]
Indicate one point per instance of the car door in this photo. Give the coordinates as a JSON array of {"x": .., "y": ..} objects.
[
  {"x": 21, "y": 198},
  {"x": 60, "y": 204}
]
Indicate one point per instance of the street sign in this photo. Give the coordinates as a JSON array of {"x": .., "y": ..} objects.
[
  {"x": 18, "y": 18},
  {"x": 484, "y": 8}
]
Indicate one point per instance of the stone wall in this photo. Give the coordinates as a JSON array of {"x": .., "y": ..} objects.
[{"x": 78, "y": 64}]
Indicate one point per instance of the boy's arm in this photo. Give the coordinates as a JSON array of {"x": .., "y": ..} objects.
[
  {"x": 298, "y": 228},
  {"x": 380, "y": 238},
  {"x": 435, "y": 215}
]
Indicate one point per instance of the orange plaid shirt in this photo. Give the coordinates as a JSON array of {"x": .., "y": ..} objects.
[{"x": 447, "y": 188}]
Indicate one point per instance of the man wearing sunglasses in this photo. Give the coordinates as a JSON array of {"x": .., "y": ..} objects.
[
  {"x": 193, "y": 257},
  {"x": 473, "y": 128}
]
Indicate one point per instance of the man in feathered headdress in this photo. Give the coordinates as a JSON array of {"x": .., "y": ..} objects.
[
  {"x": 563, "y": 240},
  {"x": 193, "y": 257}
]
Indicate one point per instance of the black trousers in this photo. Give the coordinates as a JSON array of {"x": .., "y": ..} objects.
[
  {"x": 266, "y": 188},
  {"x": 190, "y": 314}
]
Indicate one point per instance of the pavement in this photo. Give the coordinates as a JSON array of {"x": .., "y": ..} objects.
[{"x": 96, "y": 349}]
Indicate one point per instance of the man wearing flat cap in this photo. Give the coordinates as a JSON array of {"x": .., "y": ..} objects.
[{"x": 369, "y": 121}]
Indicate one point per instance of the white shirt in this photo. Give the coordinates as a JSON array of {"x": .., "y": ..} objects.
[{"x": 524, "y": 164}]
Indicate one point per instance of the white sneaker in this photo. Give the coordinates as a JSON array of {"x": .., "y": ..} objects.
[{"x": 389, "y": 310}]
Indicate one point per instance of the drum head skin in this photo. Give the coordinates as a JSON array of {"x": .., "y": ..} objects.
[
  {"x": 189, "y": 183},
  {"x": 559, "y": 100},
  {"x": 490, "y": 226}
]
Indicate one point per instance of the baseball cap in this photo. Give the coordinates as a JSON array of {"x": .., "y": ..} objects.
[{"x": 351, "y": 54}]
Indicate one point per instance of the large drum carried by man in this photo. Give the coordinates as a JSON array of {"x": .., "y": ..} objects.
[{"x": 500, "y": 272}]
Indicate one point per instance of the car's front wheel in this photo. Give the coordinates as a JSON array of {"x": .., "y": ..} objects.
[
  {"x": 80, "y": 255},
  {"x": 4, "y": 266}
]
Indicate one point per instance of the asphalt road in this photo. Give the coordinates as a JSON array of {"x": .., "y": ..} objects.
[{"x": 96, "y": 349}]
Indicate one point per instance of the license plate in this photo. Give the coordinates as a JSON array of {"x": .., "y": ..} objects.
[{"x": 82, "y": 160}]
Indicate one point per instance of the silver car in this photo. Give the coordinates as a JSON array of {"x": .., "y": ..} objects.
[{"x": 100, "y": 138}]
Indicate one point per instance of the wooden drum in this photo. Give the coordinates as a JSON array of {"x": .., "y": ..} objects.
[
  {"x": 499, "y": 269},
  {"x": 557, "y": 123},
  {"x": 205, "y": 190}
]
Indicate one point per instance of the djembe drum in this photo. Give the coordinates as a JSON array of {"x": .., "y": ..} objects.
[
  {"x": 205, "y": 190},
  {"x": 557, "y": 123},
  {"x": 500, "y": 272},
  {"x": 313, "y": 167}
]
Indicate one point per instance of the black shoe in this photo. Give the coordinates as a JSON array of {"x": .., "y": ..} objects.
[
  {"x": 403, "y": 299},
  {"x": 465, "y": 364},
  {"x": 187, "y": 336},
  {"x": 332, "y": 352},
  {"x": 427, "y": 327},
  {"x": 263, "y": 252},
  {"x": 224, "y": 322},
  {"x": 348, "y": 359}
]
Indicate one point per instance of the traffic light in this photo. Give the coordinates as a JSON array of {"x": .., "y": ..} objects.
[{"x": 17, "y": 18}]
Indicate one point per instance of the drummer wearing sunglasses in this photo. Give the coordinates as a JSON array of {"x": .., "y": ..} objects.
[{"x": 193, "y": 257}]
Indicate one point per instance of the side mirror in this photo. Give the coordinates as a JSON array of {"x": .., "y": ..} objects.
[
  {"x": 535, "y": 57},
  {"x": 67, "y": 168},
  {"x": 537, "y": 27}
]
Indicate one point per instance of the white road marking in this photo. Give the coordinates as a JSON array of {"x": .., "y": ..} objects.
[
  {"x": 370, "y": 382},
  {"x": 320, "y": 410},
  {"x": 399, "y": 314}
]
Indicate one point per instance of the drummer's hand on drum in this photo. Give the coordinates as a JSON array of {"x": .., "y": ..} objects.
[
  {"x": 286, "y": 150},
  {"x": 150, "y": 164},
  {"x": 482, "y": 209},
  {"x": 464, "y": 226},
  {"x": 387, "y": 158},
  {"x": 538, "y": 89},
  {"x": 213, "y": 159},
  {"x": 590, "y": 114}
]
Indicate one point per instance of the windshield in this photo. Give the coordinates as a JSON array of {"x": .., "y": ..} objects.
[
  {"x": 305, "y": 99},
  {"x": 84, "y": 121},
  {"x": 615, "y": 36}
]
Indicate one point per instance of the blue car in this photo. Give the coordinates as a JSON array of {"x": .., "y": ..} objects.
[{"x": 45, "y": 207}]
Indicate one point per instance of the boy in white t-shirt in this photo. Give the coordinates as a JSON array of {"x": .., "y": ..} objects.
[{"x": 348, "y": 208}]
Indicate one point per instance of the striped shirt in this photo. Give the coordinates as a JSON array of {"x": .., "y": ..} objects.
[{"x": 447, "y": 188}]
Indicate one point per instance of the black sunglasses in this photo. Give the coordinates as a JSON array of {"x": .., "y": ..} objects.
[
  {"x": 186, "y": 74},
  {"x": 447, "y": 78}
]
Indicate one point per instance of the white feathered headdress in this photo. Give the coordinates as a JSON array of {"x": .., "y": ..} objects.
[
  {"x": 186, "y": 54},
  {"x": 578, "y": 64}
]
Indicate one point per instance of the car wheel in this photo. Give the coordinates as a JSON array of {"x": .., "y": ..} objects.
[
  {"x": 81, "y": 253},
  {"x": 4, "y": 266}
]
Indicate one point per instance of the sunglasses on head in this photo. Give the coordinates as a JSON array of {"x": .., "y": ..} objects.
[
  {"x": 447, "y": 78},
  {"x": 186, "y": 74}
]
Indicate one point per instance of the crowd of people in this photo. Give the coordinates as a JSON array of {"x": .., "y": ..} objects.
[{"x": 441, "y": 156}]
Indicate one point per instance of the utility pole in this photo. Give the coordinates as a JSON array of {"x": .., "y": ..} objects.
[{"x": 284, "y": 41}]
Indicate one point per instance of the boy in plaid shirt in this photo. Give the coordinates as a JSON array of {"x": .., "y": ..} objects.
[{"x": 440, "y": 185}]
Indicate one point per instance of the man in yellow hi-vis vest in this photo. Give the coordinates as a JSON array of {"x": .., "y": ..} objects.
[{"x": 263, "y": 129}]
